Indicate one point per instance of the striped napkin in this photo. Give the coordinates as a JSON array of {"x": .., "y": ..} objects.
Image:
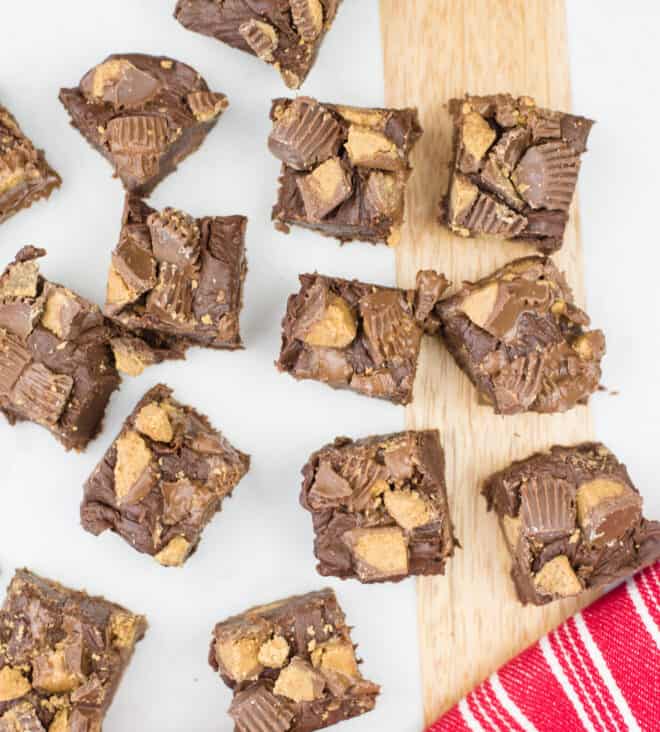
[{"x": 599, "y": 671}]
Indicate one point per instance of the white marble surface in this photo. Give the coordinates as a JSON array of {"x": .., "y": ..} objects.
[{"x": 260, "y": 547}]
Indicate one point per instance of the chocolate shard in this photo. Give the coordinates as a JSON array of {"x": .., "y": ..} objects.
[
  {"x": 391, "y": 334},
  {"x": 324, "y": 189},
  {"x": 491, "y": 218},
  {"x": 66, "y": 314},
  {"x": 510, "y": 148},
  {"x": 175, "y": 237},
  {"x": 329, "y": 488},
  {"x": 41, "y": 394},
  {"x": 545, "y": 124},
  {"x": 494, "y": 179},
  {"x": 207, "y": 105},
  {"x": 546, "y": 176},
  {"x": 607, "y": 510},
  {"x": 258, "y": 710},
  {"x": 517, "y": 383},
  {"x": 429, "y": 287},
  {"x": 137, "y": 143},
  {"x": 308, "y": 18},
  {"x": 546, "y": 224},
  {"x": 547, "y": 508},
  {"x": 120, "y": 83},
  {"x": 172, "y": 297},
  {"x": 261, "y": 37},
  {"x": 135, "y": 265},
  {"x": 575, "y": 131},
  {"x": 305, "y": 134},
  {"x": 14, "y": 358}
]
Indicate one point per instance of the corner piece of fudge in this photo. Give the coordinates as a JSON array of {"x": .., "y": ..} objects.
[
  {"x": 25, "y": 176},
  {"x": 292, "y": 666},
  {"x": 379, "y": 507},
  {"x": 358, "y": 336},
  {"x": 344, "y": 169},
  {"x": 62, "y": 656},
  {"x": 515, "y": 169},
  {"x": 522, "y": 341},
  {"x": 286, "y": 34},
  {"x": 572, "y": 520},
  {"x": 174, "y": 282},
  {"x": 56, "y": 365},
  {"x": 144, "y": 114},
  {"x": 163, "y": 479}
]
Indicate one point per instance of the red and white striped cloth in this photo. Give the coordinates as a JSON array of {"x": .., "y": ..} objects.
[{"x": 599, "y": 671}]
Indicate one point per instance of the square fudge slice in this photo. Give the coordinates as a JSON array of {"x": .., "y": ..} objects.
[
  {"x": 25, "y": 176},
  {"x": 145, "y": 114},
  {"x": 522, "y": 341},
  {"x": 344, "y": 169},
  {"x": 56, "y": 364},
  {"x": 572, "y": 520},
  {"x": 284, "y": 33},
  {"x": 515, "y": 169},
  {"x": 292, "y": 666},
  {"x": 358, "y": 336},
  {"x": 62, "y": 656},
  {"x": 174, "y": 282},
  {"x": 379, "y": 507},
  {"x": 162, "y": 479}
]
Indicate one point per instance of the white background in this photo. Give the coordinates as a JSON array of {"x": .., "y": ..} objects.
[{"x": 260, "y": 547}]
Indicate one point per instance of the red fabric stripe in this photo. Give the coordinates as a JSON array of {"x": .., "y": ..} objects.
[
  {"x": 602, "y": 697},
  {"x": 451, "y": 722},
  {"x": 489, "y": 710},
  {"x": 630, "y": 654},
  {"x": 473, "y": 704},
  {"x": 562, "y": 651},
  {"x": 499, "y": 709},
  {"x": 534, "y": 689}
]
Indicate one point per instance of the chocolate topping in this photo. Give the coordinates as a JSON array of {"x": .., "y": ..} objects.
[
  {"x": 572, "y": 519},
  {"x": 515, "y": 169}
]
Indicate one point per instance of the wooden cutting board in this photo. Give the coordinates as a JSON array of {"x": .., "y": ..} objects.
[{"x": 470, "y": 621}]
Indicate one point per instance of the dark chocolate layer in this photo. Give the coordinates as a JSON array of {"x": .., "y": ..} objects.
[
  {"x": 572, "y": 519},
  {"x": 162, "y": 479},
  {"x": 379, "y": 507},
  {"x": 292, "y": 666},
  {"x": 515, "y": 169},
  {"x": 145, "y": 114},
  {"x": 522, "y": 341}
]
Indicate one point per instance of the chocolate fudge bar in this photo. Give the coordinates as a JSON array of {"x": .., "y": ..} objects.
[
  {"x": 25, "y": 176},
  {"x": 572, "y": 520},
  {"x": 284, "y": 33},
  {"x": 379, "y": 507},
  {"x": 358, "y": 336},
  {"x": 174, "y": 282},
  {"x": 292, "y": 666},
  {"x": 62, "y": 656},
  {"x": 522, "y": 341},
  {"x": 56, "y": 365},
  {"x": 145, "y": 114},
  {"x": 515, "y": 169},
  {"x": 162, "y": 479},
  {"x": 344, "y": 169}
]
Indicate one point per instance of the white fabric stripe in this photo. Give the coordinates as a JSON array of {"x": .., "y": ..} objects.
[
  {"x": 643, "y": 612},
  {"x": 606, "y": 674},
  {"x": 588, "y": 673},
  {"x": 471, "y": 722},
  {"x": 507, "y": 702},
  {"x": 558, "y": 671},
  {"x": 569, "y": 662},
  {"x": 652, "y": 589}
]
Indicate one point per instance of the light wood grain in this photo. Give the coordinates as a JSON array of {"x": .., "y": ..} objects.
[{"x": 470, "y": 621}]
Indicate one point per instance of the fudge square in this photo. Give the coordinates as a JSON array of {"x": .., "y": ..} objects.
[
  {"x": 56, "y": 365},
  {"x": 162, "y": 479},
  {"x": 174, "y": 282},
  {"x": 379, "y": 507},
  {"x": 344, "y": 169},
  {"x": 515, "y": 169},
  {"x": 358, "y": 336},
  {"x": 522, "y": 341},
  {"x": 62, "y": 656},
  {"x": 572, "y": 520},
  {"x": 145, "y": 114},
  {"x": 292, "y": 666},
  {"x": 25, "y": 176},
  {"x": 286, "y": 34}
]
